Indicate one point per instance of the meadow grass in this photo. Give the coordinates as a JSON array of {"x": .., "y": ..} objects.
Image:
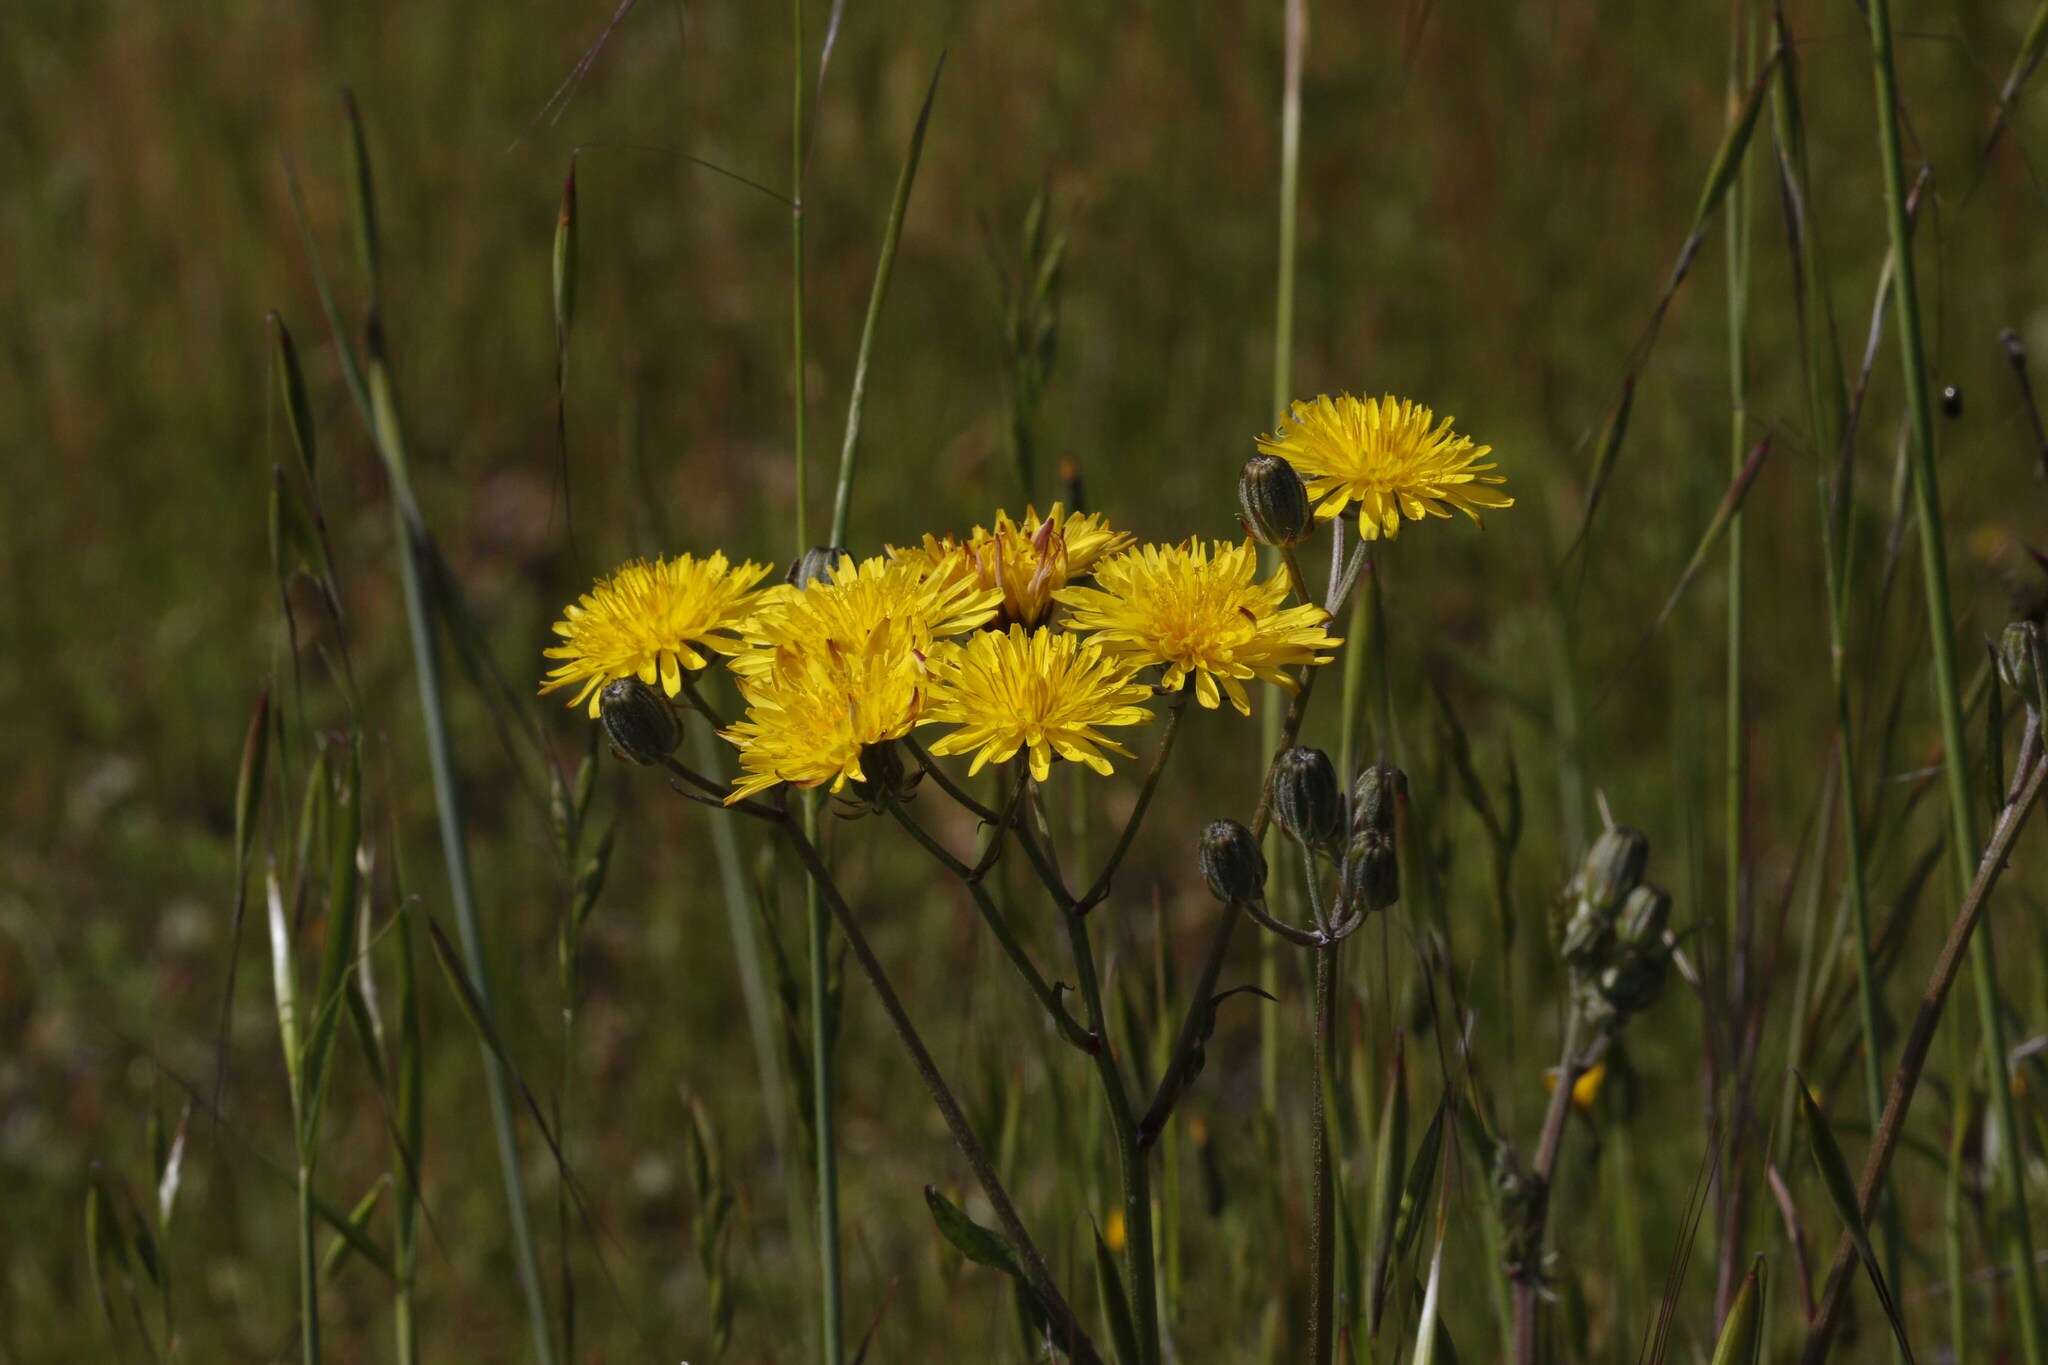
[{"x": 1006, "y": 1087}]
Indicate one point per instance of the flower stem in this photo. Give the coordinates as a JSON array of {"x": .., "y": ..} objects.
[
  {"x": 1941, "y": 627},
  {"x": 1323, "y": 1230},
  {"x": 1066, "y": 1326},
  {"x": 1528, "y": 1277}
]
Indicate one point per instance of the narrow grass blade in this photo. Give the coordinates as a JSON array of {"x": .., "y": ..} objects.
[
  {"x": 362, "y": 192},
  {"x": 1742, "y": 1331},
  {"x": 1116, "y": 1305},
  {"x": 1724, "y": 514},
  {"x": 1841, "y": 1192},
  {"x": 341, "y": 1247},
  {"x": 884, "y": 266},
  {"x": 248, "y": 797},
  {"x": 1390, "y": 1161},
  {"x": 284, "y": 983},
  {"x": 344, "y": 837}
]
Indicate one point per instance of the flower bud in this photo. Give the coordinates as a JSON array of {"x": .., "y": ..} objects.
[
  {"x": 1231, "y": 862},
  {"x": 815, "y": 566},
  {"x": 2017, "y": 649},
  {"x": 1375, "y": 797},
  {"x": 885, "y": 779},
  {"x": 1307, "y": 801},
  {"x": 1275, "y": 502},
  {"x": 1643, "y": 917},
  {"x": 638, "y": 720},
  {"x": 1612, "y": 868},
  {"x": 1631, "y": 985},
  {"x": 1585, "y": 938},
  {"x": 1372, "y": 872}
]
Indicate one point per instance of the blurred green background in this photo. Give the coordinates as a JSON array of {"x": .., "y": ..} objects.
[{"x": 1491, "y": 200}]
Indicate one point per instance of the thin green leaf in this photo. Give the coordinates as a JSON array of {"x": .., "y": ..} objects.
[
  {"x": 884, "y": 266},
  {"x": 983, "y": 1246},
  {"x": 341, "y": 1247},
  {"x": 1731, "y": 503},
  {"x": 1841, "y": 1192},
  {"x": 1389, "y": 1164},
  {"x": 1116, "y": 1305},
  {"x": 1742, "y": 1331}
]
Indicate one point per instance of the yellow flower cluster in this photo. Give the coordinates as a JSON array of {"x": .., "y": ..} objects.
[
  {"x": 1031, "y": 636},
  {"x": 992, "y": 635}
]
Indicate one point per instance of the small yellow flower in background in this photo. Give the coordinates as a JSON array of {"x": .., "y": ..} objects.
[
  {"x": 1585, "y": 1089},
  {"x": 1113, "y": 1231},
  {"x": 811, "y": 717},
  {"x": 1389, "y": 456},
  {"x": 789, "y": 623},
  {"x": 645, "y": 620},
  {"x": 1200, "y": 611},
  {"x": 1026, "y": 560},
  {"x": 1042, "y": 691}
]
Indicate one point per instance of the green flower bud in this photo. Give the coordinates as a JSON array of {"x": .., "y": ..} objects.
[
  {"x": 1275, "y": 502},
  {"x": 886, "y": 778},
  {"x": 1612, "y": 868},
  {"x": 1376, "y": 797},
  {"x": 1372, "y": 872},
  {"x": 1307, "y": 802},
  {"x": 1231, "y": 862},
  {"x": 1632, "y": 984},
  {"x": 1643, "y": 917},
  {"x": 1585, "y": 938},
  {"x": 2017, "y": 650},
  {"x": 638, "y": 720},
  {"x": 815, "y": 566}
]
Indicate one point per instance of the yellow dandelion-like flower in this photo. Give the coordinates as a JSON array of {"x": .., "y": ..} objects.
[
  {"x": 1043, "y": 691},
  {"x": 1200, "y": 611},
  {"x": 1585, "y": 1089},
  {"x": 811, "y": 717},
  {"x": 856, "y": 602},
  {"x": 1389, "y": 456},
  {"x": 646, "y": 619},
  {"x": 1027, "y": 560}
]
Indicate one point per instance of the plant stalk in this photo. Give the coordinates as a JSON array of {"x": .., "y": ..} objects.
[{"x": 1941, "y": 627}]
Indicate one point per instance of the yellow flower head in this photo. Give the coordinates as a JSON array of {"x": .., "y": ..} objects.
[
  {"x": 1200, "y": 611},
  {"x": 1585, "y": 1089},
  {"x": 1390, "y": 456},
  {"x": 644, "y": 621},
  {"x": 1027, "y": 561},
  {"x": 852, "y": 605},
  {"x": 838, "y": 666},
  {"x": 812, "y": 716},
  {"x": 1043, "y": 691}
]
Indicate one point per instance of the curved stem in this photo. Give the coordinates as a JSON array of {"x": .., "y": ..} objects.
[
  {"x": 1100, "y": 889},
  {"x": 1173, "y": 1081},
  {"x": 2020, "y": 802},
  {"x": 1066, "y": 1326},
  {"x": 947, "y": 785},
  {"x": 1020, "y": 957},
  {"x": 1136, "y": 1172}
]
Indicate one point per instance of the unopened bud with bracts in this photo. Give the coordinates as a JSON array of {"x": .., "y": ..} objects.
[
  {"x": 1275, "y": 502},
  {"x": 1372, "y": 872},
  {"x": 1613, "y": 867},
  {"x": 639, "y": 722},
  {"x": 1376, "y": 798},
  {"x": 1643, "y": 917},
  {"x": 2019, "y": 652},
  {"x": 1586, "y": 938},
  {"x": 815, "y": 565},
  {"x": 1232, "y": 863},
  {"x": 1308, "y": 803},
  {"x": 1631, "y": 985},
  {"x": 885, "y": 779}
]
